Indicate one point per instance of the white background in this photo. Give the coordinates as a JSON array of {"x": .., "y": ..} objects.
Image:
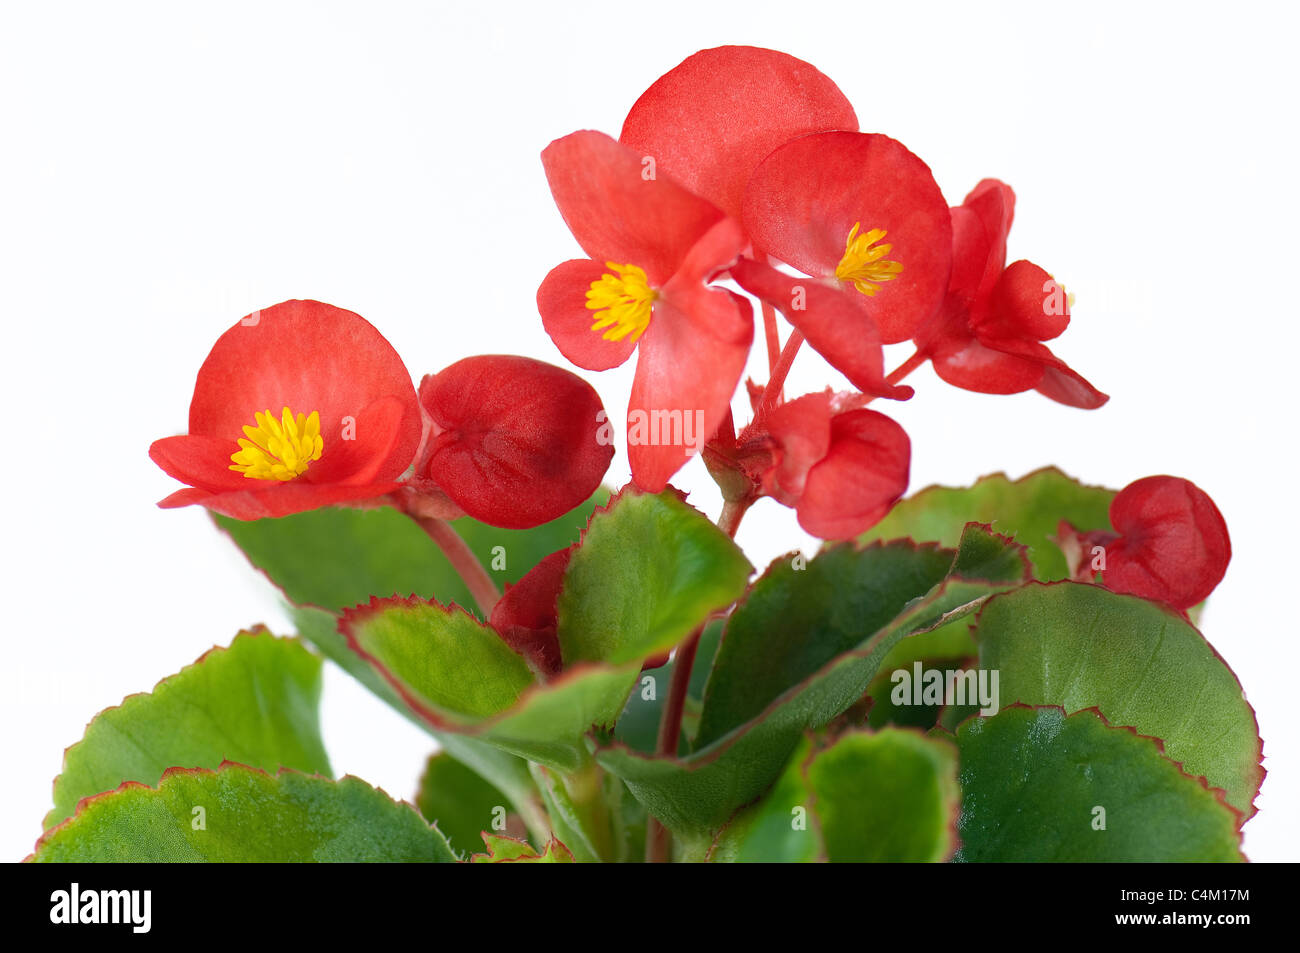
[{"x": 167, "y": 168}]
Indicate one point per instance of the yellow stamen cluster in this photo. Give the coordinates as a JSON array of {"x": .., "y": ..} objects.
[
  {"x": 279, "y": 449},
  {"x": 622, "y": 302},
  {"x": 864, "y": 262}
]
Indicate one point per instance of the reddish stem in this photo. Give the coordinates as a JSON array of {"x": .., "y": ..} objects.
[
  {"x": 775, "y": 383},
  {"x": 658, "y": 840},
  {"x": 909, "y": 365},
  {"x": 462, "y": 558},
  {"x": 771, "y": 335}
]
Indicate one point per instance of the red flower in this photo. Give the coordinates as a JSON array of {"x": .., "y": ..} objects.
[
  {"x": 862, "y": 216},
  {"x": 708, "y": 122},
  {"x": 516, "y": 442},
  {"x": 653, "y": 247},
  {"x": 840, "y": 466},
  {"x": 987, "y": 336},
  {"x": 298, "y": 406}
]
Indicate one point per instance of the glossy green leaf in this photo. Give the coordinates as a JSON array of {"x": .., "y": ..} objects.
[
  {"x": 889, "y": 796},
  {"x": 339, "y": 557},
  {"x": 650, "y": 570},
  {"x": 778, "y": 828},
  {"x": 1038, "y": 786},
  {"x": 1029, "y": 509},
  {"x": 460, "y": 802},
  {"x": 254, "y": 702},
  {"x": 457, "y": 675},
  {"x": 457, "y": 664},
  {"x": 792, "y": 614},
  {"x": 241, "y": 815},
  {"x": 506, "y": 771},
  {"x": 638, "y": 726},
  {"x": 796, "y": 620},
  {"x": 1141, "y": 665}
]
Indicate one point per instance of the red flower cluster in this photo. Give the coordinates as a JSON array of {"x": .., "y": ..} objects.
[
  {"x": 747, "y": 164},
  {"x": 305, "y": 405}
]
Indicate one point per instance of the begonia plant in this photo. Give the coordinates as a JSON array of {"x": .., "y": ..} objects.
[{"x": 1004, "y": 671}]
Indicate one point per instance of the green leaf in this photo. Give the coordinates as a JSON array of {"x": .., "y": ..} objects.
[
  {"x": 507, "y": 771},
  {"x": 254, "y": 702},
  {"x": 338, "y": 557},
  {"x": 796, "y": 620},
  {"x": 649, "y": 571},
  {"x": 1140, "y": 664},
  {"x": 824, "y": 624},
  {"x": 457, "y": 675},
  {"x": 886, "y": 797},
  {"x": 509, "y": 850},
  {"x": 458, "y": 665},
  {"x": 242, "y": 815},
  {"x": 891, "y": 796},
  {"x": 1038, "y": 786},
  {"x": 460, "y": 802},
  {"x": 777, "y": 829},
  {"x": 1028, "y": 509},
  {"x": 638, "y": 726}
]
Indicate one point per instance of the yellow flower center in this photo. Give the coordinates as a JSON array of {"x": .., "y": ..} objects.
[
  {"x": 279, "y": 449},
  {"x": 622, "y": 302},
  {"x": 864, "y": 262}
]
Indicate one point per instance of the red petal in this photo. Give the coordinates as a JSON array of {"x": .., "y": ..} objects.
[
  {"x": 691, "y": 359},
  {"x": 281, "y": 499},
  {"x": 310, "y": 357},
  {"x": 1058, "y": 380},
  {"x": 1025, "y": 303},
  {"x": 202, "y": 462},
  {"x": 837, "y": 323},
  {"x": 860, "y": 479},
  {"x": 356, "y": 454},
  {"x": 525, "y": 616},
  {"x": 519, "y": 440},
  {"x": 975, "y": 367},
  {"x": 980, "y": 250},
  {"x": 709, "y": 121},
  {"x": 802, "y": 431},
  {"x": 1173, "y": 544},
  {"x": 805, "y": 198},
  {"x": 616, "y": 213},
  {"x": 562, "y": 302}
]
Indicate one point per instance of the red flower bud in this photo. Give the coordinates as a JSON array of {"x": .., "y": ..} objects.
[
  {"x": 525, "y": 617},
  {"x": 841, "y": 466},
  {"x": 517, "y": 442},
  {"x": 1172, "y": 543}
]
